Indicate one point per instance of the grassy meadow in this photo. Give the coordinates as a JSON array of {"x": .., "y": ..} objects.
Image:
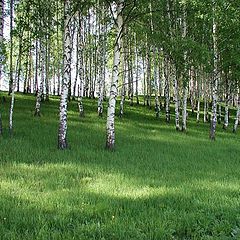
[{"x": 158, "y": 184}]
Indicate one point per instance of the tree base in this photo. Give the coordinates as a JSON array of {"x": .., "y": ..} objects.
[
  {"x": 37, "y": 114},
  {"x": 110, "y": 147},
  {"x": 62, "y": 144}
]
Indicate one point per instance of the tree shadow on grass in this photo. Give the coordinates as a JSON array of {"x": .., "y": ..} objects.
[{"x": 92, "y": 214}]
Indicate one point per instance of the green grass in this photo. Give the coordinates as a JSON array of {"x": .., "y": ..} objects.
[{"x": 158, "y": 184}]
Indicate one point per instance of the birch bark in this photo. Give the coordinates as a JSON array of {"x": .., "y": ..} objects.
[
  {"x": 215, "y": 78},
  {"x": 110, "y": 139},
  {"x": 67, "y": 49}
]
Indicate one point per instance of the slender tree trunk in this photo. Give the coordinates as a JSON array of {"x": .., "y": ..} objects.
[
  {"x": 184, "y": 109},
  {"x": 185, "y": 81},
  {"x": 167, "y": 88},
  {"x": 236, "y": 123},
  {"x": 157, "y": 105},
  {"x": 58, "y": 58},
  {"x": 219, "y": 113},
  {"x": 192, "y": 86},
  {"x": 149, "y": 79},
  {"x": 67, "y": 45},
  {"x": 160, "y": 84},
  {"x": 26, "y": 75},
  {"x": 124, "y": 83},
  {"x": 226, "y": 118},
  {"x": 1, "y": 37},
  {"x": 11, "y": 47},
  {"x": 54, "y": 81},
  {"x": 19, "y": 62},
  {"x": 1, "y": 52},
  {"x": 205, "y": 110},
  {"x": 102, "y": 59},
  {"x": 215, "y": 79},
  {"x": 137, "y": 69},
  {"x": 176, "y": 101},
  {"x": 1, "y": 127},
  {"x": 72, "y": 33},
  {"x": 80, "y": 102},
  {"x": 36, "y": 68},
  {"x": 110, "y": 138},
  {"x": 11, "y": 109},
  {"x": 199, "y": 98},
  {"x": 47, "y": 71},
  {"x": 39, "y": 97},
  {"x": 131, "y": 72},
  {"x": 77, "y": 55},
  {"x": 81, "y": 67},
  {"x": 144, "y": 81}
]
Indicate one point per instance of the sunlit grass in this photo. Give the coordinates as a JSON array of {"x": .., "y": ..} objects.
[{"x": 158, "y": 184}]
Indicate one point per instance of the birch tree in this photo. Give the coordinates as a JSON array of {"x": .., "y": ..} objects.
[
  {"x": 67, "y": 48},
  {"x": 215, "y": 75},
  {"x": 1, "y": 51},
  {"x": 118, "y": 20}
]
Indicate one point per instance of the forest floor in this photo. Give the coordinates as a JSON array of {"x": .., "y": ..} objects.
[{"x": 158, "y": 184}]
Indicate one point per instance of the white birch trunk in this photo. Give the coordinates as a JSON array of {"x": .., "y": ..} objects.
[
  {"x": 236, "y": 123},
  {"x": 148, "y": 74},
  {"x": 226, "y": 118},
  {"x": 124, "y": 77},
  {"x": 77, "y": 57},
  {"x": 80, "y": 67},
  {"x": 110, "y": 139},
  {"x": 137, "y": 69},
  {"x": 219, "y": 113},
  {"x": 39, "y": 97},
  {"x": 102, "y": 56},
  {"x": 47, "y": 67},
  {"x": 123, "y": 93},
  {"x": 12, "y": 106},
  {"x": 176, "y": 102},
  {"x": 1, "y": 35},
  {"x": 144, "y": 80},
  {"x": 205, "y": 111},
  {"x": 167, "y": 88},
  {"x": 36, "y": 68},
  {"x": 157, "y": 105},
  {"x": 1, "y": 54},
  {"x": 67, "y": 49},
  {"x": 185, "y": 81},
  {"x": 215, "y": 78},
  {"x": 80, "y": 102},
  {"x": 199, "y": 98},
  {"x": 11, "y": 110}
]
